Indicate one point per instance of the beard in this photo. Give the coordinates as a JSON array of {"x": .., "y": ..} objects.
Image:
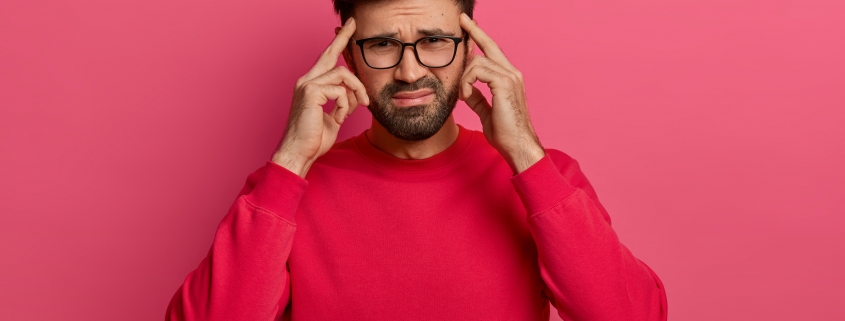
[{"x": 414, "y": 123}]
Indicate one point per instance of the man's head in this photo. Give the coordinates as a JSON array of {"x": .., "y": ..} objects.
[{"x": 410, "y": 100}]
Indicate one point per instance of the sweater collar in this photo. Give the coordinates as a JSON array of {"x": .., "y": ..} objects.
[{"x": 438, "y": 161}]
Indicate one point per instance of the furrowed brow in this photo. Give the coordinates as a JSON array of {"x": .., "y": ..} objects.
[
  {"x": 425, "y": 32},
  {"x": 435, "y": 32},
  {"x": 385, "y": 34}
]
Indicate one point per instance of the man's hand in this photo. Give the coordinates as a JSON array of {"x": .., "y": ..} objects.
[
  {"x": 506, "y": 123},
  {"x": 310, "y": 131}
]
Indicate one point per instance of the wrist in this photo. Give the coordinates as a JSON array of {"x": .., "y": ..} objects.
[
  {"x": 291, "y": 162},
  {"x": 524, "y": 156}
]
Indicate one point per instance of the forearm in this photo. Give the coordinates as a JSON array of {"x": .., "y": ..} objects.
[
  {"x": 589, "y": 274},
  {"x": 587, "y": 270},
  {"x": 243, "y": 275}
]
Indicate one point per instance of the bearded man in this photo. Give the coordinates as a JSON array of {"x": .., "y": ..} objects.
[{"x": 416, "y": 218}]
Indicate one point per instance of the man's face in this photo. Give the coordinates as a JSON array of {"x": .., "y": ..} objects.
[{"x": 410, "y": 100}]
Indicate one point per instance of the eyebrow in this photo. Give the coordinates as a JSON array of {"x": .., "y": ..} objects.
[{"x": 425, "y": 32}]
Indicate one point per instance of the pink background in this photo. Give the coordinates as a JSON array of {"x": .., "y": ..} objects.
[{"x": 713, "y": 131}]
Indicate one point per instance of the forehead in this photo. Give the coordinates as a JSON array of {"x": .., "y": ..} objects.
[{"x": 406, "y": 18}]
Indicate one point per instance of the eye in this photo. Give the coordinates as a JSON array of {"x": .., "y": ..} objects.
[
  {"x": 380, "y": 44},
  {"x": 435, "y": 43}
]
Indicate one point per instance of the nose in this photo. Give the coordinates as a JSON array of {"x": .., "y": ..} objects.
[{"x": 409, "y": 69}]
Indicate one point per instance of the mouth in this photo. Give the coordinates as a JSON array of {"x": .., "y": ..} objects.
[{"x": 413, "y": 98}]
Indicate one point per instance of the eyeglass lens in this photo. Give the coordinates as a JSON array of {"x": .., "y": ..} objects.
[{"x": 432, "y": 51}]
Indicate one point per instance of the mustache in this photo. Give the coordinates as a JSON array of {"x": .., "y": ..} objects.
[{"x": 426, "y": 82}]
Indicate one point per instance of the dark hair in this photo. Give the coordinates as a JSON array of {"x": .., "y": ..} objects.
[{"x": 345, "y": 8}]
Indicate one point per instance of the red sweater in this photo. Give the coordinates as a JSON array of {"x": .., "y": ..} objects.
[{"x": 457, "y": 236}]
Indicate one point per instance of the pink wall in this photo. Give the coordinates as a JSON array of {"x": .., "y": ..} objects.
[{"x": 713, "y": 131}]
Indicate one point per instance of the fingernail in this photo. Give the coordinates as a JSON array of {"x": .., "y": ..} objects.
[{"x": 464, "y": 16}]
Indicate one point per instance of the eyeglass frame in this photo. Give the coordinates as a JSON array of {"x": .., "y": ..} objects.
[{"x": 457, "y": 41}]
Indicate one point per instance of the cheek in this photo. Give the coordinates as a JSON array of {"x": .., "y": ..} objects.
[
  {"x": 369, "y": 77},
  {"x": 374, "y": 81},
  {"x": 449, "y": 75}
]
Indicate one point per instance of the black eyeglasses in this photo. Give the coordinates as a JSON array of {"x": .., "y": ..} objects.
[{"x": 387, "y": 52}]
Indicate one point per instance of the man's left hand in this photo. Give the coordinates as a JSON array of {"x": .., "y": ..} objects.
[{"x": 506, "y": 123}]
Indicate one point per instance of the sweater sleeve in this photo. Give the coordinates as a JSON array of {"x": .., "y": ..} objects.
[
  {"x": 244, "y": 276},
  {"x": 588, "y": 273}
]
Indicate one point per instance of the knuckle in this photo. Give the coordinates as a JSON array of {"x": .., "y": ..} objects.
[
  {"x": 332, "y": 71},
  {"x": 326, "y": 73},
  {"x": 340, "y": 92},
  {"x": 346, "y": 74},
  {"x": 299, "y": 82},
  {"x": 509, "y": 79},
  {"x": 310, "y": 88},
  {"x": 468, "y": 74},
  {"x": 490, "y": 72},
  {"x": 475, "y": 68}
]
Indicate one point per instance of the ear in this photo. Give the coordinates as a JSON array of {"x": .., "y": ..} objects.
[
  {"x": 347, "y": 57},
  {"x": 470, "y": 49}
]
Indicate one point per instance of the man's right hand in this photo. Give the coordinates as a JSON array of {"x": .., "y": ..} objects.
[{"x": 310, "y": 131}]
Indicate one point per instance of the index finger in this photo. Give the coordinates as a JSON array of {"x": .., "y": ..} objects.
[
  {"x": 487, "y": 45},
  {"x": 328, "y": 59}
]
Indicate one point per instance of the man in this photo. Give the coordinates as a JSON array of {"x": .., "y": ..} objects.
[{"x": 416, "y": 218}]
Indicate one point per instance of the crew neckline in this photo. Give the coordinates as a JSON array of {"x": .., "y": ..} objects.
[{"x": 438, "y": 161}]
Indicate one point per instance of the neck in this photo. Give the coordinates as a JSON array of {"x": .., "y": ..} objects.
[{"x": 383, "y": 140}]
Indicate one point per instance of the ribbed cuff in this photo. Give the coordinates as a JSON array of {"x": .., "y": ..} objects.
[
  {"x": 541, "y": 186},
  {"x": 279, "y": 191}
]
